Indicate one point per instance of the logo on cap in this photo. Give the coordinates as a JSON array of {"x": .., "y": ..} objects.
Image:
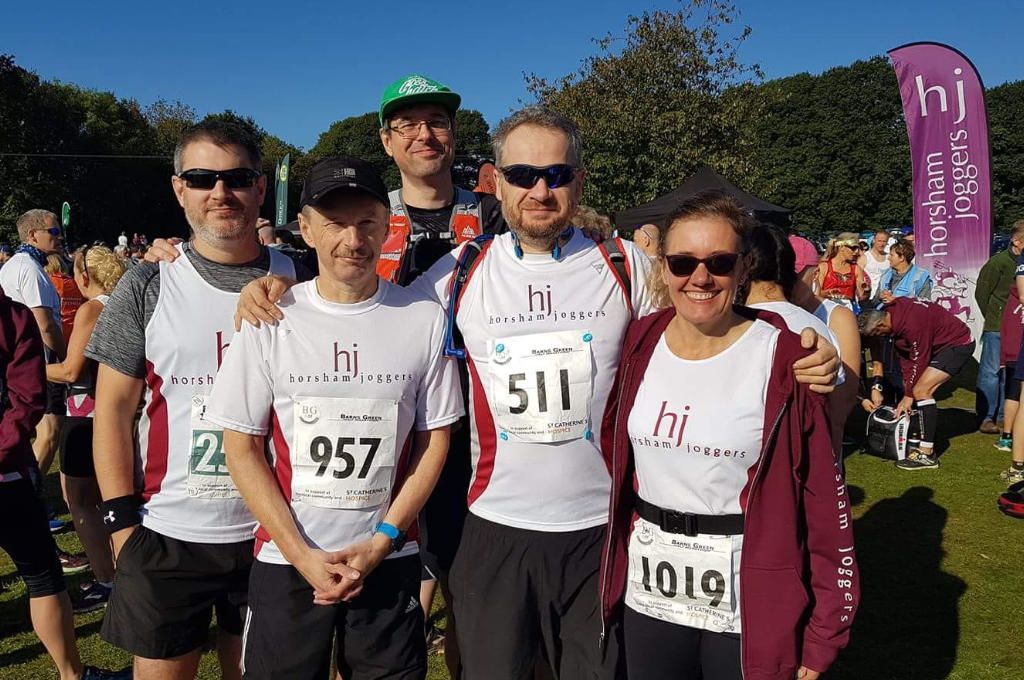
[
  {"x": 417, "y": 85},
  {"x": 340, "y": 173}
]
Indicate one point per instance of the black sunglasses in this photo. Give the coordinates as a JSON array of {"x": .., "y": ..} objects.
[
  {"x": 721, "y": 264},
  {"x": 236, "y": 178},
  {"x": 526, "y": 176}
]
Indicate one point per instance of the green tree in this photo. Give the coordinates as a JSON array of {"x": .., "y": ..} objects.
[
  {"x": 1006, "y": 133},
  {"x": 669, "y": 97},
  {"x": 833, "y": 148},
  {"x": 472, "y": 135},
  {"x": 169, "y": 121},
  {"x": 359, "y": 137}
]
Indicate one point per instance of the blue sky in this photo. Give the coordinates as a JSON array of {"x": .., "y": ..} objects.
[{"x": 297, "y": 66}]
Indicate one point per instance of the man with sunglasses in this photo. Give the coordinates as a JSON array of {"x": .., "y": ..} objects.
[
  {"x": 182, "y": 535},
  {"x": 24, "y": 280}
]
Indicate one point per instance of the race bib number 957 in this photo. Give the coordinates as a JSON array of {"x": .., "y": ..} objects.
[{"x": 343, "y": 453}]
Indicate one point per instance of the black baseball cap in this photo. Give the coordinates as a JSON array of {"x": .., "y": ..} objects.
[{"x": 339, "y": 172}]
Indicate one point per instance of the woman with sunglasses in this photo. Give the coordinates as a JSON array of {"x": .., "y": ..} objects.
[
  {"x": 96, "y": 271},
  {"x": 729, "y": 551},
  {"x": 839, "y": 277}
]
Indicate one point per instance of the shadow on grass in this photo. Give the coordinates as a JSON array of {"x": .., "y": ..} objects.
[
  {"x": 908, "y": 626},
  {"x": 36, "y": 650}
]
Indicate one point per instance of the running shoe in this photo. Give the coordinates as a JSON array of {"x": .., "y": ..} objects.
[
  {"x": 72, "y": 564},
  {"x": 1012, "y": 476},
  {"x": 1004, "y": 444},
  {"x": 94, "y": 596},
  {"x": 916, "y": 460},
  {"x": 93, "y": 673},
  {"x": 57, "y": 525}
]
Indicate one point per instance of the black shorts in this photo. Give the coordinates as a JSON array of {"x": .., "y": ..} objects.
[
  {"x": 1012, "y": 382},
  {"x": 660, "y": 650},
  {"x": 76, "y": 448},
  {"x": 25, "y": 536},
  {"x": 444, "y": 514},
  {"x": 166, "y": 590},
  {"x": 952, "y": 359},
  {"x": 56, "y": 399},
  {"x": 379, "y": 634},
  {"x": 523, "y": 597}
]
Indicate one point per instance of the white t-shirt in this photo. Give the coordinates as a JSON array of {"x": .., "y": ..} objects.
[
  {"x": 875, "y": 269},
  {"x": 26, "y": 282},
  {"x": 543, "y": 337},
  {"x": 377, "y": 366},
  {"x": 797, "y": 319},
  {"x": 696, "y": 430}
]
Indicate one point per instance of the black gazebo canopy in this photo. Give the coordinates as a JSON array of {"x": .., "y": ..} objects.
[{"x": 704, "y": 179}]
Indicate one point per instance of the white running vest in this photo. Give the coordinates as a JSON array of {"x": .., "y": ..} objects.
[
  {"x": 544, "y": 338},
  {"x": 186, "y": 490}
]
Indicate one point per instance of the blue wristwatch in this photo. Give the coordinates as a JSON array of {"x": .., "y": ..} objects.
[{"x": 391, "y": 531}]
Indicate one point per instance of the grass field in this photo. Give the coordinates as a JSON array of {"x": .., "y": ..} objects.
[{"x": 943, "y": 591}]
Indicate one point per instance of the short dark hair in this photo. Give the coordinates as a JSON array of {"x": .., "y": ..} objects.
[
  {"x": 712, "y": 204},
  {"x": 904, "y": 249},
  {"x": 771, "y": 257},
  {"x": 220, "y": 133},
  {"x": 539, "y": 117}
]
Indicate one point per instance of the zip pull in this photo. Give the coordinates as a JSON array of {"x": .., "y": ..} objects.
[{"x": 600, "y": 641}]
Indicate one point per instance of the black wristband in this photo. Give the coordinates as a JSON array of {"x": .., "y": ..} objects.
[{"x": 120, "y": 513}]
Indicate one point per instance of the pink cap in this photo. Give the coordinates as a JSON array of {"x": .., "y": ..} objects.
[{"x": 806, "y": 253}]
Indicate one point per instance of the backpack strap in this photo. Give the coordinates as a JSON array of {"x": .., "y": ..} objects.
[
  {"x": 615, "y": 255},
  {"x": 469, "y": 260}
]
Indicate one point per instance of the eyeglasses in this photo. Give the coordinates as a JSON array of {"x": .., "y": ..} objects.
[
  {"x": 52, "y": 231},
  {"x": 721, "y": 264},
  {"x": 526, "y": 176},
  {"x": 411, "y": 129},
  {"x": 236, "y": 178}
]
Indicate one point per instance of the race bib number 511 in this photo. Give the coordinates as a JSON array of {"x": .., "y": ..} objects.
[
  {"x": 343, "y": 453},
  {"x": 542, "y": 385}
]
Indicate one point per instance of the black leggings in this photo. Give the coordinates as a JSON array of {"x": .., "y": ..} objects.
[{"x": 658, "y": 650}]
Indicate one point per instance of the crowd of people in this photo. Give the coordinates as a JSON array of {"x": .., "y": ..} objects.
[{"x": 615, "y": 460}]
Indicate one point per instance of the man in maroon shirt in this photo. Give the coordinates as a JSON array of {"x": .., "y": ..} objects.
[{"x": 933, "y": 345}]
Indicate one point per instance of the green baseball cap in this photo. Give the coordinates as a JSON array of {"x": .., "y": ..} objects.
[{"x": 416, "y": 89}]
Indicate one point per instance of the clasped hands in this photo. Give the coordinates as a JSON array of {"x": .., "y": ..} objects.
[{"x": 338, "y": 576}]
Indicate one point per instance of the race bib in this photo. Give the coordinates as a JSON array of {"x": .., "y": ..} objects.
[
  {"x": 207, "y": 467},
  {"x": 343, "y": 455},
  {"x": 542, "y": 385},
  {"x": 682, "y": 579}
]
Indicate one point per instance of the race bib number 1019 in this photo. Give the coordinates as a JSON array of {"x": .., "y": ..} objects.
[
  {"x": 542, "y": 385},
  {"x": 682, "y": 579},
  {"x": 343, "y": 453}
]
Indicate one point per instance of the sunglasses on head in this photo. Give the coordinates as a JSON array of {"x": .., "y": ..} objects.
[
  {"x": 236, "y": 178},
  {"x": 526, "y": 176},
  {"x": 721, "y": 264}
]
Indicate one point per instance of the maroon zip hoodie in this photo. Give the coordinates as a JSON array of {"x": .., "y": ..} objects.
[
  {"x": 799, "y": 584},
  {"x": 1011, "y": 327},
  {"x": 920, "y": 330},
  {"x": 23, "y": 380}
]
